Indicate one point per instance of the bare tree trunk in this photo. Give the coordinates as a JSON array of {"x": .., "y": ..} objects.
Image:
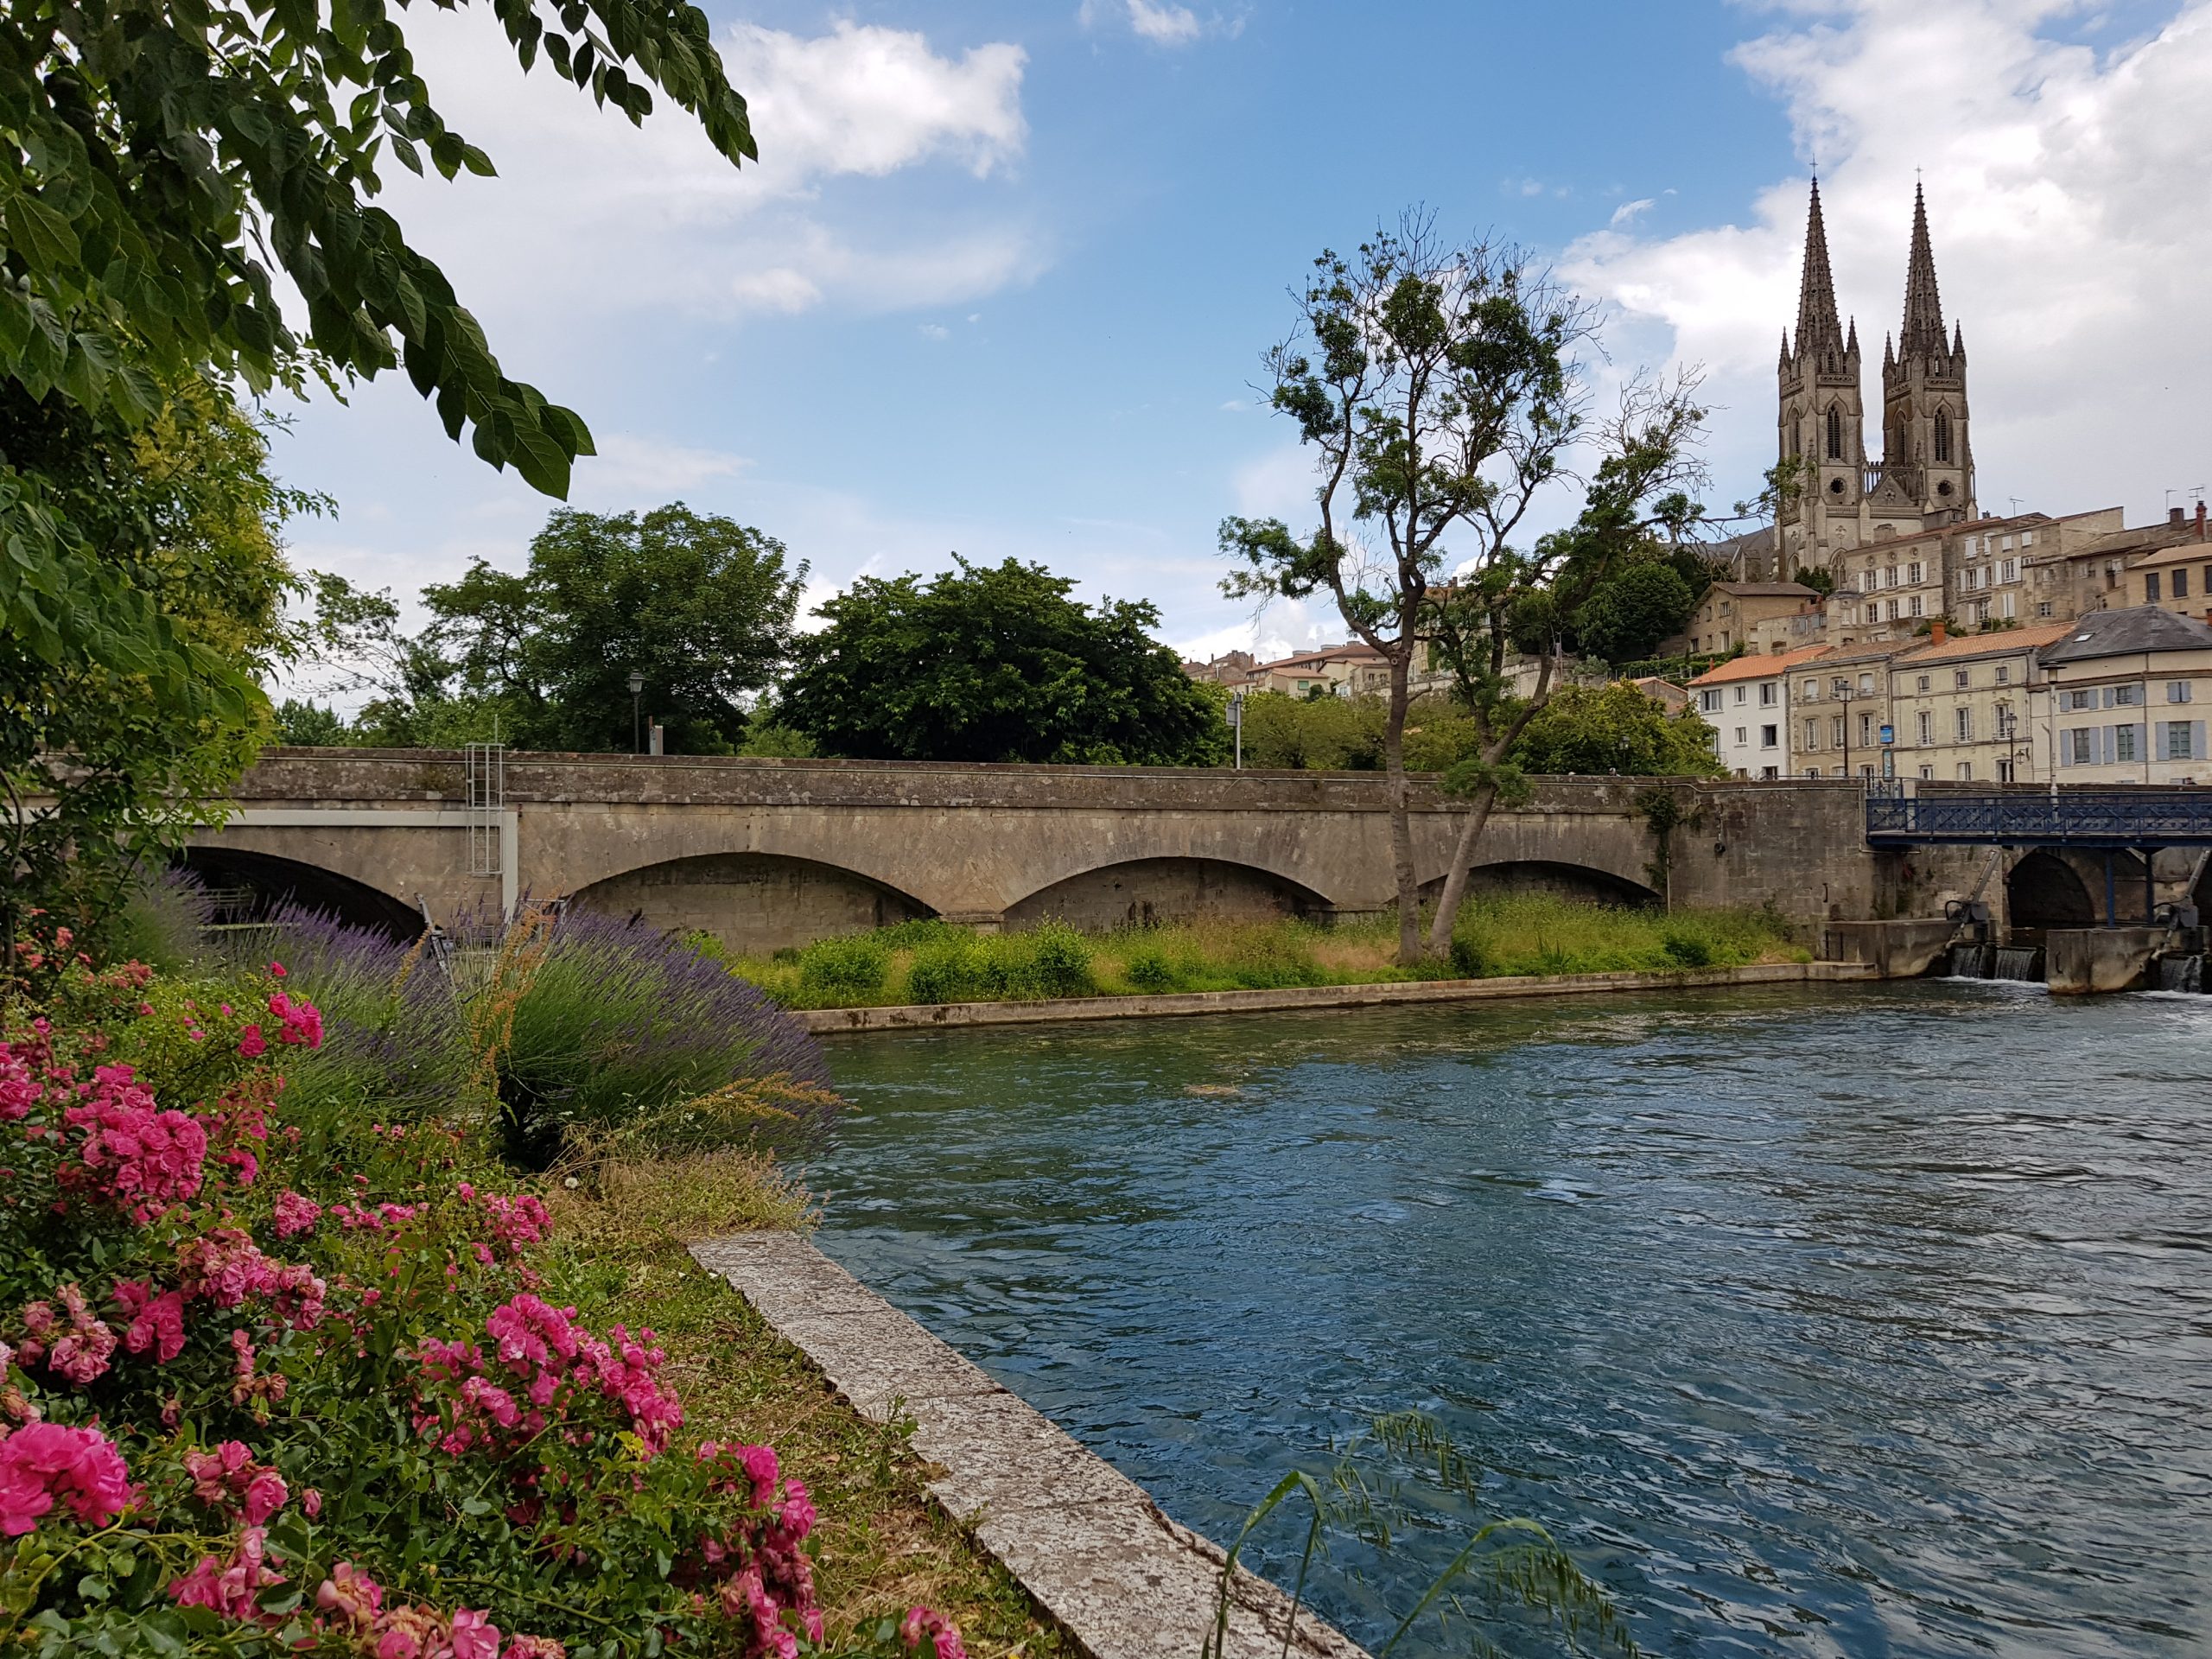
[
  {"x": 1401, "y": 816},
  {"x": 1460, "y": 871},
  {"x": 1478, "y": 818}
]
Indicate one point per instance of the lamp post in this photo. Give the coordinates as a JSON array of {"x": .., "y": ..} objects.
[
  {"x": 636, "y": 709},
  {"x": 1847, "y": 695},
  {"x": 1236, "y": 724}
]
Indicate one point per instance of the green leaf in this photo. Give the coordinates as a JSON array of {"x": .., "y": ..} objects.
[{"x": 40, "y": 234}]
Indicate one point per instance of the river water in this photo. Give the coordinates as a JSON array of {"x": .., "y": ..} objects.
[{"x": 1871, "y": 1321}]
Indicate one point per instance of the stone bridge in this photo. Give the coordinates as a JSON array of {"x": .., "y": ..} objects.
[{"x": 769, "y": 853}]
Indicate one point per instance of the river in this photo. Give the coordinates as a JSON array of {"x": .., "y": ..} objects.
[{"x": 1857, "y": 1322}]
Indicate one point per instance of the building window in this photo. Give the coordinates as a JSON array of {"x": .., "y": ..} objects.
[
  {"x": 2006, "y": 604},
  {"x": 1770, "y": 774},
  {"x": 2043, "y": 608},
  {"x": 1927, "y": 772},
  {"x": 1812, "y": 690},
  {"x": 1893, "y": 610},
  {"x": 1739, "y": 694},
  {"x": 1866, "y": 685},
  {"x": 2181, "y": 584},
  {"x": 2177, "y": 691},
  {"x": 1922, "y": 685},
  {"x": 2078, "y": 745},
  {"x": 2027, "y": 539},
  {"x": 1927, "y": 728},
  {"x": 1812, "y": 735},
  {"x": 1965, "y": 772},
  {"x": 2178, "y": 732},
  {"x": 1740, "y": 737},
  {"x": 2004, "y": 772},
  {"x": 2150, "y": 588},
  {"x": 2004, "y": 673},
  {"x": 1917, "y": 607},
  {"x": 2085, "y": 698},
  {"x": 1709, "y": 703},
  {"x": 1962, "y": 719},
  {"x": 1835, "y": 434},
  {"x": 2009, "y": 570},
  {"x": 2123, "y": 743},
  {"x": 1943, "y": 435},
  {"x": 1836, "y": 730},
  {"x": 1812, "y": 771},
  {"x": 2123, "y": 696},
  {"x": 1770, "y": 736},
  {"x": 1867, "y": 730},
  {"x": 1766, "y": 694},
  {"x": 1913, "y": 578},
  {"x": 1890, "y": 576},
  {"x": 1961, "y": 678}
]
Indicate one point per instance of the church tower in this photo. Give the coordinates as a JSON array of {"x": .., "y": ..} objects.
[
  {"x": 1821, "y": 416},
  {"x": 1927, "y": 461}
]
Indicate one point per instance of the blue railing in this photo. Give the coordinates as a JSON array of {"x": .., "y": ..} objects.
[{"x": 2072, "y": 817}]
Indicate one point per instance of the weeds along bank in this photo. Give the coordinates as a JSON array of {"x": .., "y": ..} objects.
[
  {"x": 1509, "y": 934},
  {"x": 295, "y": 1361}
]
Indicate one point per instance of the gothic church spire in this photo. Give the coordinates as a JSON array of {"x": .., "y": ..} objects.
[
  {"x": 1819, "y": 329},
  {"x": 1923, "y": 334}
]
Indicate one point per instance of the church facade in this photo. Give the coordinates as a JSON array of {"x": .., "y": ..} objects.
[{"x": 1839, "y": 499}]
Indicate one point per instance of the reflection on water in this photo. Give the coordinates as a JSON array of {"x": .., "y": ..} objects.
[{"x": 1871, "y": 1323}]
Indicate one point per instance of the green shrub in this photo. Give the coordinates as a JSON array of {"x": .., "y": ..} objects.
[
  {"x": 849, "y": 967},
  {"x": 949, "y": 971},
  {"x": 1471, "y": 956},
  {"x": 1689, "y": 950},
  {"x": 1148, "y": 969},
  {"x": 1061, "y": 961}
]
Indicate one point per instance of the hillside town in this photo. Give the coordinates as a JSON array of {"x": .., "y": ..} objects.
[{"x": 1913, "y": 636}]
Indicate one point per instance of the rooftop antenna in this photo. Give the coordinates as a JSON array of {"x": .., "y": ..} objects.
[{"x": 2015, "y": 500}]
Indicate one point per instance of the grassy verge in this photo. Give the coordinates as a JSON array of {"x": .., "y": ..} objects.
[
  {"x": 619, "y": 1239},
  {"x": 1499, "y": 935}
]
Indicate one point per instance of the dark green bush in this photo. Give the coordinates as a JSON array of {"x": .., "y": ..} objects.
[
  {"x": 848, "y": 967},
  {"x": 949, "y": 971},
  {"x": 1149, "y": 969},
  {"x": 1471, "y": 956},
  {"x": 1061, "y": 961},
  {"x": 1688, "y": 950}
]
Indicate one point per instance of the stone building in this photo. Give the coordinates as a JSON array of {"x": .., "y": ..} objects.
[
  {"x": 1732, "y": 614},
  {"x": 2125, "y": 695},
  {"x": 1746, "y": 701},
  {"x": 1963, "y": 706},
  {"x": 1925, "y": 477},
  {"x": 1840, "y": 704}
]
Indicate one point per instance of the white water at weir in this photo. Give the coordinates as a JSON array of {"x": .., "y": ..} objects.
[{"x": 1983, "y": 961}]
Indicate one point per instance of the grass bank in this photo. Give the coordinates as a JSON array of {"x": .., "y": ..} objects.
[{"x": 1499, "y": 935}]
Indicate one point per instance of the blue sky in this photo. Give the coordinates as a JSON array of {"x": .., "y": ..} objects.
[{"x": 1001, "y": 279}]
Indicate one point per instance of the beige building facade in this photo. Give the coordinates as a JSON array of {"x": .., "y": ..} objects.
[
  {"x": 2124, "y": 698},
  {"x": 1962, "y": 708},
  {"x": 1752, "y": 615}
]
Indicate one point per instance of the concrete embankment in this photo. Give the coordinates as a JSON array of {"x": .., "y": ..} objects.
[
  {"x": 1122, "y": 1579},
  {"x": 939, "y": 1016}
]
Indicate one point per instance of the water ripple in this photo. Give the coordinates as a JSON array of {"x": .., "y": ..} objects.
[{"x": 1878, "y": 1323}]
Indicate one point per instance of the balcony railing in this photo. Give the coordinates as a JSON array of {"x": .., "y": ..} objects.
[{"x": 2071, "y": 817}]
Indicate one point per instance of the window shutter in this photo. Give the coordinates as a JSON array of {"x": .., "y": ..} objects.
[
  {"x": 2196, "y": 740},
  {"x": 2159, "y": 739},
  {"x": 2107, "y": 697}
]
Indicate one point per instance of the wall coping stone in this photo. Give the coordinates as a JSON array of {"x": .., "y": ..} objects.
[
  {"x": 1086, "y": 1541},
  {"x": 940, "y": 1016}
]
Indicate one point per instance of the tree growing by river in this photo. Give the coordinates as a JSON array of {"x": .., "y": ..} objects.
[{"x": 1438, "y": 387}]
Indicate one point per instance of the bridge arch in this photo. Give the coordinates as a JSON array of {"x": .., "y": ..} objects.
[
  {"x": 246, "y": 886},
  {"x": 2043, "y": 890},
  {"x": 1139, "y": 891},
  {"x": 752, "y": 902},
  {"x": 1584, "y": 882}
]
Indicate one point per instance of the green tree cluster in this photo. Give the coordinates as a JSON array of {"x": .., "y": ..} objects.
[
  {"x": 996, "y": 663},
  {"x": 1616, "y": 728}
]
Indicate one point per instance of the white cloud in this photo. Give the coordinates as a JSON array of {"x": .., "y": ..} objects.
[
  {"x": 591, "y": 212},
  {"x": 1629, "y": 212},
  {"x": 2066, "y": 206},
  {"x": 867, "y": 99},
  {"x": 935, "y": 331},
  {"x": 1163, "y": 25},
  {"x": 634, "y": 468}
]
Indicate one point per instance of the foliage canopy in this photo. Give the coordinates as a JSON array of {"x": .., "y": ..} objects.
[{"x": 997, "y": 662}]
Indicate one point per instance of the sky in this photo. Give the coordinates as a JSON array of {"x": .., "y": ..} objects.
[{"x": 1001, "y": 282}]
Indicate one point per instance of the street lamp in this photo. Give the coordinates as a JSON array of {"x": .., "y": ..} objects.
[
  {"x": 636, "y": 708},
  {"x": 1847, "y": 695},
  {"x": 1236, "y": 723}
]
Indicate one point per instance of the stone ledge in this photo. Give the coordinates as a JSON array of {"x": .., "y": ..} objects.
[
  {"x": 1086, "y": 1541},
  {"x": 935, "y": 1016}
]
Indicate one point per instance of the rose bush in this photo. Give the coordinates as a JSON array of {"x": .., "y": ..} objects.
[{"x": 275, "y": 1392}]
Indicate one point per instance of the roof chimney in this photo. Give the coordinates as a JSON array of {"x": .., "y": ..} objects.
[
  {"x": 1938, "y": 632},
  {"x": 2174, "y": 515},
  {"x": 2200, "y": 519}
]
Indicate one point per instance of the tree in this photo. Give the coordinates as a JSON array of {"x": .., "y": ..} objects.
[
  {"x": 699, "y": 605},
  {"x": 111, "y": 747},
  {"x": 1632, "y": 610},
  {"x": 309, "y": 726},
  {"x": 1821, "y": 582},
  {"x": 1615, "y": 729},
  {"x": 1326, "y": 734},
  {"x": 160, "y": 158},
  {"x": 997, "y": 662},
  {"x": 1438, "y": 387}
]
